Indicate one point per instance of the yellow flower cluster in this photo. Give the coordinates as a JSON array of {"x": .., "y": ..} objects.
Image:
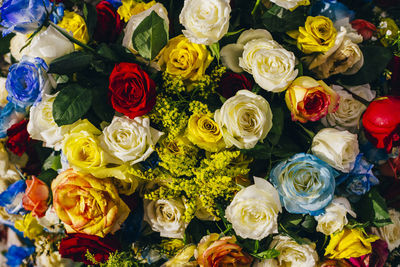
[
  {"x": 170, "y": 247},
  {"x": 173, "y": 84},
  {"x": 197, "y": 107},
  {"x": 206, "y": 86}
]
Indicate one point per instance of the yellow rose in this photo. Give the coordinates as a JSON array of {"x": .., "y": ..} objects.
[
  {"x": 204, "y": 132},
  {"x": 29, "y": 226},
  {"x": 182, "y": 58},
  {"x": 317, "y": 35},
  {"x": 349, "y": 243},
  {"x": 86, "y": 204},
  {"x": 308, "y": 99},
  {"x": 75, "y": 24},
  {"x": 131, "y": 7}
]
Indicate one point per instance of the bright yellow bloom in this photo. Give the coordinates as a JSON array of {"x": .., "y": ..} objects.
[
  {"x": 349, "y": 243},
  {"x": 317, "y": 35},
  {"x": 88, "y": 205},
  {"x": 29, "y": 226},
  {"x": 74, "y": 23},
  {"x": 131, "y": 7},
  {"x": 301, "y": 3},
  {"x": 182, "y": 58}
]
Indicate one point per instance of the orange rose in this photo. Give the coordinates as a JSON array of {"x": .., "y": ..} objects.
[
  {"x": 36, "y": 196},
  {"x": 219, "y": 252},
  {"x": 86, "y": 204}
]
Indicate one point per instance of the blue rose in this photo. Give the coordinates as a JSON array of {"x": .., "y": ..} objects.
[
  {"x": 26, "y": 81},
  {"x": 332, "y": 9},
  {"x": 305, "y": 183},
  {"x": 11, "y": 198},
  {"x": 23, "y": 16},
  {"x": 15, "y": 255},
  {"x": 9, "y": 115},
  {"x": 358, "y": 181},
  {"x": 115, "y": 3}
]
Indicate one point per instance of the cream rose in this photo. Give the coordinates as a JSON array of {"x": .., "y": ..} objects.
[
  {"x": 244, "y": 119},
  {"x": 289, "y": 4},
  {"x": 266, "y": 263},
  {"x": 205, "y": 22},
  {"x": 166, "y": 217},
  {"x": 53, "y": 259},
  {"x": 41, "y": 125},
  {"x": 294, "y": 254},
  {"x": 3, "y": 92},
  {"x": 135, "y": 20},
  {"x": 129, "y": 140},
  {"x": 391, "y": 232},
  {"x": 348, "y": 114},
  {"x": 49, "y": 45},
  {"x": 334, "y": 218},
  {"x": 231, "y": 53},
  {"x": 251, "y": 48},
  {"x": 16, "y": 43},
  {"x": 337, "y": 148},
  {"x": 253, "y": 211}
]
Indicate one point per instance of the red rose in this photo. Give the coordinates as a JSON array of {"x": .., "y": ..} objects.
[
  {"x": 74, "y": 246},
  {"x": 363, "y": 27},
  {"x": 381, "y": 122},
  {"x": 232, "y": 82},
  {"x": 132, "y": 91},
  {"x": 18, "y": 138},
  {"x": 109, "y": 24}
]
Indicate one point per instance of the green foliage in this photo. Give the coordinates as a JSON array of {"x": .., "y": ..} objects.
[
  {"x": 150, "y": 36},
  {"x": 5, "y": 43},
  {"x": 52, "y": 162},
  {"x": 73, "y": 62},
  {"x": 278, "y": 19},
  {"x": 90, "y": 16},
  {"x": 48, "y": 176},
  {"x": 71, "y": 104}
]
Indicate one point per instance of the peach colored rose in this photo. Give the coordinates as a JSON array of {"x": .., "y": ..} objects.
[{"x": 36, "y": 196}]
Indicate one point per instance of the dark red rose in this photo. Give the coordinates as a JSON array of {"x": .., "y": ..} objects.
[
  {"x": 74, "y": 246},
  {"x": 363, "y": 27},
  {"x": 18, "y": 138},
  {"x": 133, "y": 92},
  {"x": 390, "y": 190},
  {"x": 381, "y": 122},
  {"x": 232, "y": 82},
  {"x": 109, "y": 24}
]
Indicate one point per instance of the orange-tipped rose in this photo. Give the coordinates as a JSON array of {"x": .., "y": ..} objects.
[
  {"x": 36, "y": 196},
  {"x": 216, "y": 252},
  {"x": 310, "y": 100},
  {"x": 86, "y": 204}
]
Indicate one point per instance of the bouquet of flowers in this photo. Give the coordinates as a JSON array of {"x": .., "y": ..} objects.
[{"x": 200, "y": 133}]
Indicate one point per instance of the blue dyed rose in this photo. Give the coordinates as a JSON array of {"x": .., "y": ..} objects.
[
  {"x": 15, "y": 255},
  {"x": 11, "y": 198},
  {"x": 23, "y": 16},
  {"x": 9, "y": 115},
  {"x": 305, "y": 183},
  {"x": 358, "y": 181},
  {"x": 26, "y": 81},
  {"x": 115, "y": 3},
  {"x": 332, "y": 9}
]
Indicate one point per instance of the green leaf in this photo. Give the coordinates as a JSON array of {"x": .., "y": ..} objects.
[
  {"x": 259, "y": 151},
  {"x": 52, "y": 162},
  {"x": 105, "y": 51},
  {"x": 278, "y": 19},
  {"x": 278, "y": 121},
  {"x": 150, "y": 36},
  {"x": 215, "y": 50},
  {"x": 267, "y": 254},
  {"x": 47, "y": 176},
  {"x": 376, "y": 59},
  {"x": 5, "y": 43},
  {"x": 309, "y": 223},
  {"x": 372, "y": 208},
  {"x": 104, "y": 110},
  {"x": 73, "y": 62},
  {"x": 90, "y": 15},
  {"x": 71, "y": 104}
]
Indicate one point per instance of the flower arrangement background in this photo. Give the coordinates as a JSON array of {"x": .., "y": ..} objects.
[{"x": 200, "y": 133}]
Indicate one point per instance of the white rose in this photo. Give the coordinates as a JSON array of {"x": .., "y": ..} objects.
[
  {"x": 8, "y": 172},
  {"x": 337, "y": 148},
  {"x": 3, "y": 92},
  {"x": 334, "y": 218},
  {"x": 274, "y": 69},
  {"x": 244, "y": 119},
  {"x": 294, "y": 254},
  {"x": 352, "y": 34},
  {"x": 16, "y": 43},
  {"x": 129, "y": 140},
  {"x": 49, "y": 45},
  {"x": 287, "y": 4},
  {"x": 246, "y": 61},
  {"x": 231, "y": 53},
  {"x": 254, "y": 210},
  {"x": 266, "y": 263},
  {"x": 205, "y": 22},
  {"x": 391, "y": 232},
  {"x": 51, "y": 221},
  {"x": 135, "y": 20},
  {"x": 348, "y": 114},
  {"x": 41, "y": 125},
  {"x": 166, "y": 217}
]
